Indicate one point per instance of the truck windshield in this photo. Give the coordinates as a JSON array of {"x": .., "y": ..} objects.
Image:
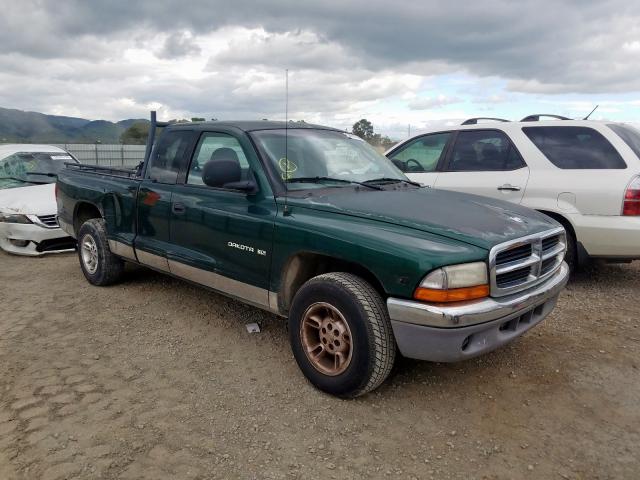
[
  {"x": 31, "y": 168},
  {"x": 317, "y": 158}
]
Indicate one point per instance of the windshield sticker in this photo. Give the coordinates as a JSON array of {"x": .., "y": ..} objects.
[
  {"x": 61, "y": 157},
  {"x": 287, "y": 167}
]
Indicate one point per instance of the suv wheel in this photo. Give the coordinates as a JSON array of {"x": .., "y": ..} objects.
[
  {"x": 99, "y": 265},
  {"x": 571, "y": 257},
  {"x": 341, "y": 335}
]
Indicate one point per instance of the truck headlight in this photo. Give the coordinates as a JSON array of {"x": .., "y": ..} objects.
[
  {"x": 454, "y": 283},
  {"x": 10, "y": 218}
]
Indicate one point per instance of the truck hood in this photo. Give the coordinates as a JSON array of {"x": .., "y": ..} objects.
[
  {"x": 32, "y": 200},
  {"x": 480, "y": 221}
]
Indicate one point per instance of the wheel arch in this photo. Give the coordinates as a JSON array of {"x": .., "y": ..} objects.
[
  {"x": 85, "y": 211},
  {"x": 564, "y": 221},
  {"x": 582, "y": 256},
  {"x": 302, "y": 266}
]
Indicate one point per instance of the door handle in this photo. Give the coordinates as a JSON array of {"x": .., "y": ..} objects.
[
  {"x": 509, "y": 188},
  {"x": 178, "y": 208}
]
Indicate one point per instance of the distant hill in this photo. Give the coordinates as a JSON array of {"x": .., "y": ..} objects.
[{"x": 32, "y": 127}]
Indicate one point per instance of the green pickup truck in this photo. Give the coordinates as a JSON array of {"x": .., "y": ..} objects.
[{"x": 312, "y": 224}]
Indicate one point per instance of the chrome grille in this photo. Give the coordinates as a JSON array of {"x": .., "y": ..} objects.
[
  {"x": 49, "y": 221},
  {"x": 525, "y": 262}
]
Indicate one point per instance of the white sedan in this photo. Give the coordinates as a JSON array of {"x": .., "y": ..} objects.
[{"x": 28, "y": 212}]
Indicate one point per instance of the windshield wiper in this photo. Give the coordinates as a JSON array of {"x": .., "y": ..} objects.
[
  {"x": 392, "y": 180},
  {"x": 21, "y": 180},
  {"x": 330, "y": 179},
  {"x": 54, "y": 175}
]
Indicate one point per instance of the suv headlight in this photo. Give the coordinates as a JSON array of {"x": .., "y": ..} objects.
[
  {"x": 10, "y": 218},
  {"x": 454, "y": 283}
]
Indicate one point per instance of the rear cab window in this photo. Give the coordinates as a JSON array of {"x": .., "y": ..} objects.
[
  {"x": 575, "y": 148},
  {"x": 169, "y": 156}
]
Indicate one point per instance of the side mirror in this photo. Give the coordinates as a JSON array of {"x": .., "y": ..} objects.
[
  {"x": 217, "y": 174},
  {"x": 245, "y": 186},
  {"x": 226, "y": 174}
]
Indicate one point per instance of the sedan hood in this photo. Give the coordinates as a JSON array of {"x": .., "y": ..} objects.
[
  {"x": 480, "y": 221},
  {"x": 32, "y": 200}
]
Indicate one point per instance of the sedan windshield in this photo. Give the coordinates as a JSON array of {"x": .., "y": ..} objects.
[
  {"x": 31, "y": 168},
  {"x": 309, "y": 158}
]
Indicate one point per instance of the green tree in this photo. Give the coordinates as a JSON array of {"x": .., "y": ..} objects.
[
  {"x": 136, "y": 134},
  {"x": 197, "y": 119},
  {"x": 386, "y": 143},
  {"x": 364, "y": 129}
]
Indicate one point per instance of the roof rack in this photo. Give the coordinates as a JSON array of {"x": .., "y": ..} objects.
[
  {"x": 474, "y": 121},
  {"x": 536, "y": 117}
]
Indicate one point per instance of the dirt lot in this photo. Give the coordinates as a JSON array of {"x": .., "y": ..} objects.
[{"x": 155, "y": 378}]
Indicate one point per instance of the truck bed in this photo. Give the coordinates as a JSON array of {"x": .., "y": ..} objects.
[
  {"x": 108, "y": 171},
  {"x": 82, "y": 189}
]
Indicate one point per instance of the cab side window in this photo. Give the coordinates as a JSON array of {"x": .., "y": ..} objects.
[
  {"x": 484, "y": 151},
  {"x": 217, "y": 147},
  {"x": 169, "y": 156},
  {"x": 421, "y": 154}
]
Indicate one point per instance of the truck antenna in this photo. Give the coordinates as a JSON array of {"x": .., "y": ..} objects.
[
  {"x": 286, "y": 142},
  {"x": 594, "y": 109}
]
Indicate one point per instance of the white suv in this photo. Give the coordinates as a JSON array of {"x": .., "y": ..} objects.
[{"x": 583, "y": 173}]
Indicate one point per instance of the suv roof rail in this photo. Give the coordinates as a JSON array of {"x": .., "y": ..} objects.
[
  {"x": 474, "y": 121},
  {"x": 536, "y": 117}
]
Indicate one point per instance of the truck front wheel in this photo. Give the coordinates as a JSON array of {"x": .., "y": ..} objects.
[
  {"x": 99, "y": 265},
  {"x": 341, "y": 335}
]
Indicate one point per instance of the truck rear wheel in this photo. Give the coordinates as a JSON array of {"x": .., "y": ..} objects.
[
  {"x": 99, "y": 265},
  {"x": 341, "y": 335}
]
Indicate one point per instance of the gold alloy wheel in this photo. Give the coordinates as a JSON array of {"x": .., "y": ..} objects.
[{"x": 326, "y": 338}]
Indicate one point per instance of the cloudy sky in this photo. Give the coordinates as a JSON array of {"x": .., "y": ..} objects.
[{"x": 396, "y": 63}]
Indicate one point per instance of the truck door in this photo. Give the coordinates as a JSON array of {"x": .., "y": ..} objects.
[
  {"x": 222, "y": 237},
  {"x": 154, "y": 197},
  {"x": 420, "y": 157},
  {"x": 485, "y": 162}
]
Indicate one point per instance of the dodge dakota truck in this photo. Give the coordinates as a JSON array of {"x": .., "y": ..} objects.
[{"x": 312, "y": 224}]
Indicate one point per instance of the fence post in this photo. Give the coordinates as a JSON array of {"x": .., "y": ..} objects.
[
  {"x": 96, "y": 150},
  {"x": 122, "y": 154}
]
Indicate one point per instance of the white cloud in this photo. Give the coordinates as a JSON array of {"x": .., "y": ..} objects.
[
  {"x": 394, "y": 63},
  {"x": 425, "y": 103}
]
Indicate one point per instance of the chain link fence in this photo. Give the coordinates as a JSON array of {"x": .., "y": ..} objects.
[{"x": 109, "y": 155}]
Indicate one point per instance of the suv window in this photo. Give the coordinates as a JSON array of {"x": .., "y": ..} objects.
[
  {"x": 575, "y": 147},
  {"x": 214, "y": 147},
  {"x": 168, "y": 156},
  {"x": 421, "y": 154},
  {"x": 482, "y": 151},
  {"x": 630, "y": 135}
]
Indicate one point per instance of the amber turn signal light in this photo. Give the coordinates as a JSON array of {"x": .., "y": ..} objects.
[{"x": 451, "y": 295}]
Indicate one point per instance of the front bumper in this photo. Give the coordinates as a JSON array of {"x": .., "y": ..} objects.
[
  {"x": 449, "y": 333},
  {"x": 39, "y": 240}
]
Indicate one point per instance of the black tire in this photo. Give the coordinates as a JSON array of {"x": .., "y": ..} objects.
[
  {"x": 102, "y": 268},
  {"x": 372, "y": 344},
  {"x": 571, "y": 257}
]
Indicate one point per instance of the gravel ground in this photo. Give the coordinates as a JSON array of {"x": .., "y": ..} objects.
[{"x": 155, "y": 378}]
